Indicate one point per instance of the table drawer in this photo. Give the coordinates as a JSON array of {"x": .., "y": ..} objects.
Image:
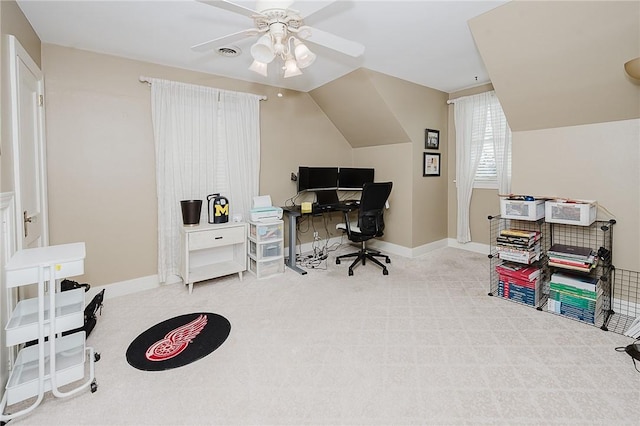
[{"x": 216, "y": 238}]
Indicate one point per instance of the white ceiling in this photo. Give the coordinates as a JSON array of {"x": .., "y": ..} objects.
[{"x": 425, "y": 42}]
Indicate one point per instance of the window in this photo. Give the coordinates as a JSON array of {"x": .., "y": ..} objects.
[{"x": 486, "y": 173}]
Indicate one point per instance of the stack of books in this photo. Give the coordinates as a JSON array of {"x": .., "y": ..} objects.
[
  {"x": 516, "y": 245},
  {"x": 520, "y": 283},
  {"x": 575, "y": 258},
  {"x": 575, "y": 296}
]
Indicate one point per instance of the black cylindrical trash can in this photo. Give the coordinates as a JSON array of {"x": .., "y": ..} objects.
[{"x": 191, "y": 212}]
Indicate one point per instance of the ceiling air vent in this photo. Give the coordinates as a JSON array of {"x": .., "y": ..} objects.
[{"x": 229, "y": 51}]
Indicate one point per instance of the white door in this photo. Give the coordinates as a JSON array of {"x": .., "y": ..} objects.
[
  {"x": 24, "y": 154},
  {"x": 27, "y": 92}
]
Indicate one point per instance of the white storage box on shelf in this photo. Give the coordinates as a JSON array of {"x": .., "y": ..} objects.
[
  {"x": 571, "y": 212},
  {"x": 521, "y": 209}
]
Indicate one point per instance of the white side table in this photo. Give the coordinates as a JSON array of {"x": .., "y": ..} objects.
[{"x": 212, "y": 251}]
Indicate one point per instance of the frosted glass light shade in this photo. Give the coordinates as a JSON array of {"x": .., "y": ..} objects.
[
  {"x": 304, "y": 56},
  {"x": 291, "y": 68},
  {"x": 262, "y": 51},
  {"x": 633, "y": 68},
  {"x": 259, "y": 67}
]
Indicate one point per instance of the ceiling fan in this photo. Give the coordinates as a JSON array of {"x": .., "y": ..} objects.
[{"x": 281, "y": 32}]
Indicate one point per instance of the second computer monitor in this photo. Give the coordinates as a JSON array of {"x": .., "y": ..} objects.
[
  {"x": 312, "y": 178},
  {"x": 350, "y": 178}
]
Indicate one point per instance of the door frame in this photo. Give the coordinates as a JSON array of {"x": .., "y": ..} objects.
[{"x": 16, "y": 53}]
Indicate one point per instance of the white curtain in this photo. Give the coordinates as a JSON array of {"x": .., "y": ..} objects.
[
  {"x": 470, "y": 122},
  {"x": 207, "y": 141},
  {"x": 501, "y": 145}
]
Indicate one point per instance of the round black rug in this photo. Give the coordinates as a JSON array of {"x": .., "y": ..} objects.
[{"x": 178, "y": 341}]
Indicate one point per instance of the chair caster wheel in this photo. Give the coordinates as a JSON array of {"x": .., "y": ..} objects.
[
  {"x": 385, "y": 272},
  {"x": 96, "y": 357},
  {"x": 387, "y": 260},
  {"x": 94, "y": 386},
  {"x": 337, "y": 261},
  {"x": 350, "y": 272}
]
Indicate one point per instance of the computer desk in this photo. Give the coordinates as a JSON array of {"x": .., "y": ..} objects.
[{"x": 293, "y": 213}]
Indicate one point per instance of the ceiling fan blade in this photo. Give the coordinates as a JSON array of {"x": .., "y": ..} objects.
[
  {"x": 333, "y": 41},
  {"x": 208, "y": 45},
  {"x": 308, "y": 8},
  {"x": 231, "y": 7}
]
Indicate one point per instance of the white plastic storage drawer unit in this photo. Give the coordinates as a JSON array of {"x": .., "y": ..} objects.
[
  {"x": 266, "y": 268},
  {"x": 268, "y": 231},
  {"x": 266, "y": 248}
]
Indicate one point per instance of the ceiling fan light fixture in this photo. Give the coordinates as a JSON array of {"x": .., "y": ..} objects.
[
  {"x": 262, "y": 50},
  {"x": 291, "y": 68},
  {"x": 304, "y": 56},
  {"x": 632, "y": 68},
  {"x": 259, "y": 67}
]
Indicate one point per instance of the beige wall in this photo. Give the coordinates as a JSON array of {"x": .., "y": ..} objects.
[
  {"x": 388, "y": 160},
  {"x": 594, "y": 162},
  {"x": 13, "y": 21},
  {"x": 422, "y": 200},
  {"x": 101, "y": 156}
]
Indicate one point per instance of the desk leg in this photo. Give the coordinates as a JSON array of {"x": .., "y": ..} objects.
[{"x": 291, "y": 261}]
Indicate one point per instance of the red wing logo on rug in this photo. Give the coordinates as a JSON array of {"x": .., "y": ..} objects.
[{"x": 176, "y": 340}]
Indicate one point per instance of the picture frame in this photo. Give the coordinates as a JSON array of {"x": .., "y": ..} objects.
[
  {"x": 431, "y": 164},
  {"x": 431, "y": 139}
]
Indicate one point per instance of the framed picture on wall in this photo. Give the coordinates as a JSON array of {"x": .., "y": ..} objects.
[
  {"x": 431, "y": 139},
  {"x": 431, "y": 165}
]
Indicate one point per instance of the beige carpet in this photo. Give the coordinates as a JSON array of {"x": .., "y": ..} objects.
[{"x": 423, "y": 345}]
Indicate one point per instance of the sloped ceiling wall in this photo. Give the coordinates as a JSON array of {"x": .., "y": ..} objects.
[
  {"x": 561, "y": 63},
  {"x": 357, "y": 109}
]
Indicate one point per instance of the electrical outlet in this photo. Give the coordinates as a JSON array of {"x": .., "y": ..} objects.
[{"x": 315, "y": 234}]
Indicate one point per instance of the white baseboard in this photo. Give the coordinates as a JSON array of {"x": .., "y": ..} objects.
[
  {"x": 474, "y": 247},
  {"x": 123, "y": 288}
]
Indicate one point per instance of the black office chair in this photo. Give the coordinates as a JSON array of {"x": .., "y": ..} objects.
[{"x": 370, "y": 224}]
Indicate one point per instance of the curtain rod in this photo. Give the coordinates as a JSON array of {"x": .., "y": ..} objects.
[{"x": 147, "y": 80}]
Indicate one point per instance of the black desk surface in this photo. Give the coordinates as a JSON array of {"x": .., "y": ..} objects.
[{"x": 346, "y": 206}]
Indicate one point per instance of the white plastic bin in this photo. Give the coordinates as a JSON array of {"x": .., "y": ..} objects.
[
  {"x": 574, "y": 212},
  {"x": 522, "y": 210}
]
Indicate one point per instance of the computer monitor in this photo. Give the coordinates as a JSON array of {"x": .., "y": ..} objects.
[
  {"x": 350, "y": 178},
  {"x": 312, "y": 178}
]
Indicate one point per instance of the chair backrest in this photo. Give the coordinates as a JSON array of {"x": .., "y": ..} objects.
[{"x": 372, "y": 202}]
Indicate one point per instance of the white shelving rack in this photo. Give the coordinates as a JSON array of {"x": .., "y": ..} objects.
[{"x": 55, "y": 360}]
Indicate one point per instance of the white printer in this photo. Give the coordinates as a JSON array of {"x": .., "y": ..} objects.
[{"x": 263, "y": 210}]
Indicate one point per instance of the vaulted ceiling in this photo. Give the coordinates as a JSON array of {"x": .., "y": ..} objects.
[{"x": 561, "y": 63}]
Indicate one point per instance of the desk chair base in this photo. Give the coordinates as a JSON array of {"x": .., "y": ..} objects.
[{"x": 362, "y": 256}]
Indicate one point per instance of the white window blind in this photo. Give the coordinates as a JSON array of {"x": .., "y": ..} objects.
[{"x": 486, "y": 173}]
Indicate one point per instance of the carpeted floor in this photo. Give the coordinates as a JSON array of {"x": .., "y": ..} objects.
[{"x": 423, "y": 345}]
